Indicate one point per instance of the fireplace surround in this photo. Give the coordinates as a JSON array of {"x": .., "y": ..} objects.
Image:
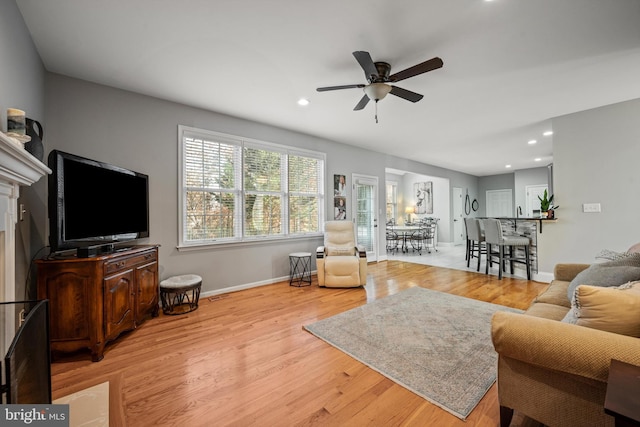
[{"x": 17, "y": 168}]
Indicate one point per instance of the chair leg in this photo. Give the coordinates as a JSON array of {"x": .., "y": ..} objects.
[
  {"x": 479, "y": 255},
  {"x": 470, "y": 253},
  {"x": 511, "y": 252},
  {"x": 466, "y": 253},
  {"x": 527, "y": 260},
  {"x": 488, "y": 259},
  {"x": 501, "y": 264}
]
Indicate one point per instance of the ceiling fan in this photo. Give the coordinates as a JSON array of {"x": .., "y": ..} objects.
[{"x": 378, "y": 79}]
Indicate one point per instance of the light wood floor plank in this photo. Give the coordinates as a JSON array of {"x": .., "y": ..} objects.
[{"x": 243, "y": 359}]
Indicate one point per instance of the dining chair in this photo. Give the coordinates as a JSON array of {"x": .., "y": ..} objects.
[
  {"x": 393, "y": 240},
  {"x": 477, "y": 245},
  {"x": 494, "y": 236}
]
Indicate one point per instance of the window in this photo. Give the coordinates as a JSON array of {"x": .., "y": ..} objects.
[
  {"x": 234, "y": 189},
  {"x": 392, "y": 201}
]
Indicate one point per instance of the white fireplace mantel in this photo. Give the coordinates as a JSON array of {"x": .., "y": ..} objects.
[{"x": 17, "y": 167}]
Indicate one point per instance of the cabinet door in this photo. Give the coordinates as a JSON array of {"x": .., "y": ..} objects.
[
  {"x": 147, "y": 296},
  {"x": 118, "y": 304},
  {"x": 70, "y": 301}
]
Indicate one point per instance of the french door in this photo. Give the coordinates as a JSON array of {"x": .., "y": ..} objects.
[{"x": 365, "y": 208}]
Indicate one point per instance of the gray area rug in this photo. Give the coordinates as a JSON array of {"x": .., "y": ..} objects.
[{"x": 435, "y": 344}]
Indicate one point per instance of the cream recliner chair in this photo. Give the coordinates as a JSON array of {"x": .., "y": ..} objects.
[{"x": 339, "y": 262}]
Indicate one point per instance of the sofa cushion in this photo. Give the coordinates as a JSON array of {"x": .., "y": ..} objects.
[
  {"x": 546, "y": 310},
  {"x": 611, "y": 273},
  {"x": 613, "y": 309},
  {"x": 556, "y": 294}
]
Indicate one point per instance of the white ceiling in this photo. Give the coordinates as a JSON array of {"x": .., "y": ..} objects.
[{"x": 509, "y": 65}]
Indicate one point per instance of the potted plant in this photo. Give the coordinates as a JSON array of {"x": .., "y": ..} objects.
[{"x": 545, "y": 202}]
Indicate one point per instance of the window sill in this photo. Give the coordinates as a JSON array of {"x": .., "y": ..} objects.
[{"x": 252, "y": 242}]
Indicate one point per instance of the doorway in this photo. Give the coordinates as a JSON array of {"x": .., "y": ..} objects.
[
  {"x": 499, "y": 203},
  {"x": 458, "y": 232},
  {"x": 365, "y": 209}
]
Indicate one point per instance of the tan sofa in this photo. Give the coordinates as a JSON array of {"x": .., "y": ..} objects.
[{"x": 555, "y": 372}]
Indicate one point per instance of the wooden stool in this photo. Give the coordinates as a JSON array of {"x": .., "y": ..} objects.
[{"x": 174, "y": 294}]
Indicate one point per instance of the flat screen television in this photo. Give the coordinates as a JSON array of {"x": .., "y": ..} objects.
[{"x": 94, "y": 205}]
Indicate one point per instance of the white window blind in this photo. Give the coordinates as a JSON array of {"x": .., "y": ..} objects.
[{"x": 234, "y": 189}]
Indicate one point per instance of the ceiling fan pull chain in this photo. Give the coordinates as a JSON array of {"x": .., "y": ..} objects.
[{"x": 376, "y": 111}]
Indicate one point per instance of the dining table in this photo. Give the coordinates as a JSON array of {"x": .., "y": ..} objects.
[{"x": 405, "y": 232}]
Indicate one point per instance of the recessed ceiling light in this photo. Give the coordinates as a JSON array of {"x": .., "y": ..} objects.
[
  {"x": 532, "y": 141},
  {"x": 507, "y": 166},
  {"x": 548, "y": 133},
  {"x": 303, "y": 101},
  {"x": 537, "y": 159}
]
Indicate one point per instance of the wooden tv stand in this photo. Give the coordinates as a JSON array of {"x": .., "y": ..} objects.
[{"x": 94, "y": 300}]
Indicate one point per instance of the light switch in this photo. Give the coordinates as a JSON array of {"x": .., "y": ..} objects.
[{"x": 591, "y": 207}]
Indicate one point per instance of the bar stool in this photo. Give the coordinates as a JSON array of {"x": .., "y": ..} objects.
[
  {"x": 476, "y": 245},
  {"x": 494, "y": 236}
]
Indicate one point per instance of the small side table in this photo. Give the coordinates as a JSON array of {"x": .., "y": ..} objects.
[
  {"x": 174, "y": 294},
  {"x": 622, "y": 400},
  {"x": 300, "y": 268}
]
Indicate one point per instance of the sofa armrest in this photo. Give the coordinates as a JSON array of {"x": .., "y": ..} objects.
[
  {"x": 320, "y": 252},
  {"x": 567, "y": 272},
  {"x": 361, "y": 251},
  {"x": 561, "y": 346}
]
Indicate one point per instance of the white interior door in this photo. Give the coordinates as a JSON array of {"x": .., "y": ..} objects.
[
  {"x": 532, "y": 205},
  {"x": 458, "y": 229},
  {"x": 365, "y": 208},
  {"x": 499, "y": 203}
]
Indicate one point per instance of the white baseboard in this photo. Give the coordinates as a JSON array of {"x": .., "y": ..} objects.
[
  {"x": 543, "y": 276},
  {"x": 248, "y": 285}
]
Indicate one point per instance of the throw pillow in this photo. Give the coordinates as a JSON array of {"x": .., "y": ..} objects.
[
  {"x": 614, "y": 256},
  {"x": 612, "y": 309},
  {"x": 611, "y": 273}
]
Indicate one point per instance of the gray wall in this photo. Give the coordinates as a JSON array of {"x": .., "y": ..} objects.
[
  {"x": 140, "y": 133},
  {"x": 596, "y": 155},
  {"x": 22, "y": 86}
]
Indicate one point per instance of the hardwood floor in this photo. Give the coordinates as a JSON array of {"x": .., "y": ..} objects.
[{"x": 243, "y": 359}]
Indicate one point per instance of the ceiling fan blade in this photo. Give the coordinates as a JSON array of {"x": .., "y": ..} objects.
[
  {"x": 365, "y": 61},
  {"x": 405, "y": 94},
  {"x": 363, "y": 103},
  {"x": 324, "y": 89},
  {"x": 430, "y": 65}
]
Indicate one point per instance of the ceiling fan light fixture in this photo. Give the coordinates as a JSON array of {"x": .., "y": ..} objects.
[{"x": 377, "y": 91}]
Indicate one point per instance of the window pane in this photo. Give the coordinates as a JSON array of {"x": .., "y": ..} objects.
[
  {"x": 303, "y": 175},
  {"x": 209, "y": 215},
  {"x": 209, "y": 164},
  {"x": 263, "y": 215},
  {"x": 303, "y": 214},
  {"x": 262, "y": 170}
]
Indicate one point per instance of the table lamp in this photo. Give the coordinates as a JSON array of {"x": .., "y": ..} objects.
[{"x": 409, "y": 210}]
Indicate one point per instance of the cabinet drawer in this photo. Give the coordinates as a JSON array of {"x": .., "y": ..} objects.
[{"x": 129, "y": 262}]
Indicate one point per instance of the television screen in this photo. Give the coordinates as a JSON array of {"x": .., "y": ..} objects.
[{"x": 92, "y": 203}]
